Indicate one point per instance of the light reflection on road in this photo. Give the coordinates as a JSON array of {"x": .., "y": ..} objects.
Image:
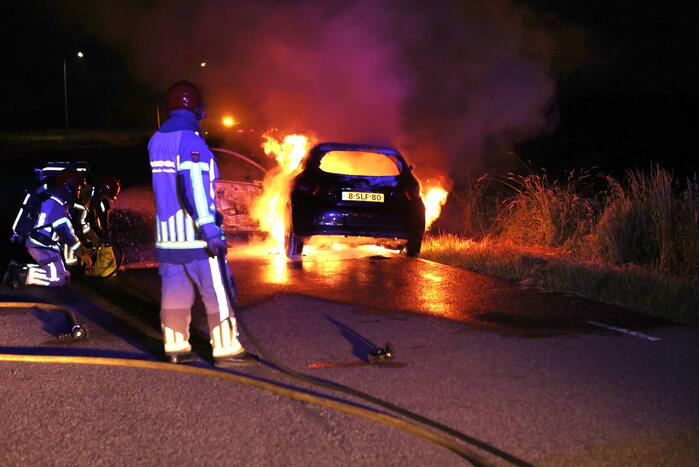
[{"x": 376, "y": 279}]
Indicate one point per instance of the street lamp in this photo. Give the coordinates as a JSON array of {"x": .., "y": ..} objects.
[{"x": 80, "y": 55}]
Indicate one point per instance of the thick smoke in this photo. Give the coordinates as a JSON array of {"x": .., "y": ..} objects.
[{"x": 449, "y": 85}]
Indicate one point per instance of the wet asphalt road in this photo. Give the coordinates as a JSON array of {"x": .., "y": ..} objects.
[
  {"x": 533, "y": 373},
  {"x": 520, "y": 369}
]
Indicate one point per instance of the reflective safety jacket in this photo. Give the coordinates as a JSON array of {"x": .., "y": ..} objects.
[
  {"x": 183, "y": 170},
  {"x": 53, "y": 224}
]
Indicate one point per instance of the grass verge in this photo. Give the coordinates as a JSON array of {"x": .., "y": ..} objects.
[{"x": 633, "y": 287}]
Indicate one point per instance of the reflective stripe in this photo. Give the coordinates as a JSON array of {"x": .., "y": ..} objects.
[
  {"x": 179, "y": 228},
  {"x": 60, "y": 222},
  {"x": 224, "y": 341},
  {"x": 211, "y": 178},
  {"x": 162, "y": 163},
  {"x": 188, "y": 165},
  {"x": 163, "y": 231},
  {"x": 36, "y": 276},
  {"x": 226, "y": 335},
  {"x": 217, "y": 280},
  {"x": 41, "y": 220},
  {"x": 195, "y": 174},
  {"x": 204, "y": 220},
  {"x": 52, "y": 272},
  {"x": 189, "y": 226},
  {"x": 180, "y": 245},
  {"x": 171, "y": 229},
  {"x": 179, "y": 337},
  {"x": 58, "y": 200},
  {"x": 75, "y": 246},
  {"x": 69, "y": 256},
  {"x": 21, "y": 210},
  {"x": 174, "y": 341},
  {"x": 179, "y": 224}
]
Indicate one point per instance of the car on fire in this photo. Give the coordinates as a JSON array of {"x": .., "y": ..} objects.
[{"x": 355, "y": 190}]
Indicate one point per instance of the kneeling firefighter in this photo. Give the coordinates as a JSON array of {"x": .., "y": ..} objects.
[
  {"x": 188, "y": 234},
  {"x": 51, "y": 229},
  {"x": 90, "y": 216}
]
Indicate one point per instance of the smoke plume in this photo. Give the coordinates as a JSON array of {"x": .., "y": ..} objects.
[{"x": 448, "y": 84}]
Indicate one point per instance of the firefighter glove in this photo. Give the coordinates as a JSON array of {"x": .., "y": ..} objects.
[{"x": 217, "y": 244}]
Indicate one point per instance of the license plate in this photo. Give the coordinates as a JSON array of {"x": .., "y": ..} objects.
[{"x": 362, "y": 196}]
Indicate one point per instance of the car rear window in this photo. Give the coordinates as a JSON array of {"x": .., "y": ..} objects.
[{"x": 371, "y": 164}]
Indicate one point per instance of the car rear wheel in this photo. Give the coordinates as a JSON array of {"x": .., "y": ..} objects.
[
  {"x": 293, "y": 245},
  {"x": 413, "y": 246}
]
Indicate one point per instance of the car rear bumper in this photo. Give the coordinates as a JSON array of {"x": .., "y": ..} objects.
[{"x": 355, "y": 223}]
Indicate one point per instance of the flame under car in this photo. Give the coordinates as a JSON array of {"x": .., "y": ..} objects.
[{"x": 355, "y": 190}]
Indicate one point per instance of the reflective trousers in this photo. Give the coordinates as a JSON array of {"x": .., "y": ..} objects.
[
  {"x": 177, "y": 298},
  {"x": 51, "y": 271}
]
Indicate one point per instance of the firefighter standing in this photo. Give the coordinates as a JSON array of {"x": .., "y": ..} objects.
[
  {"x": 188, "y": 237},
  {"x": 51, "y": 230}
]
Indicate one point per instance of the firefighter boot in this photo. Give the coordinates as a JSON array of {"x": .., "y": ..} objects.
[
  {"x": 15, "y": 275},
  {"x": 176, "y": 336},
  {"x": 182, "y": 357},
  {"x": 227, "y": 349}
]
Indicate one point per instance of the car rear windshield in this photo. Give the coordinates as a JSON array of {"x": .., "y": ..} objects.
[{"x": 371, "y": 164}]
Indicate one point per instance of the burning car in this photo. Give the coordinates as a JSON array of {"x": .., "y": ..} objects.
[{"x": 355, "y": 190}]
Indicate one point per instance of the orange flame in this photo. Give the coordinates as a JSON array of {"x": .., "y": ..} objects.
[
  {"x": 288, "y": 152},
  {"x": 271, "y": 208},
  {"x": 433, "y": 196}
]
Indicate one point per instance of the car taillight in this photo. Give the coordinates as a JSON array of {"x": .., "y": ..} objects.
[
  {"x": 307, "y": 186},
  {"x": 412, "y": 192}
]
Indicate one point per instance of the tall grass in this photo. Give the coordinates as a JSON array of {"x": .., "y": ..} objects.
[
  {"x": 546, "y": 212},
  {"x": 634, "y": 242},
  {"x": 645, "y": 222},
  {"x": 648, "y": 219}
]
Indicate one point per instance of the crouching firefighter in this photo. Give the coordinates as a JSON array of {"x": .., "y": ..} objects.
[
  {"x": 90, "y": 216},
  {"x": 45, "y": 226},
  {"x": 188, "y": 236}
]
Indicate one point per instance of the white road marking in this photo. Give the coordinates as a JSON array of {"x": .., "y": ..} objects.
[{"x": 624, "y": 331}]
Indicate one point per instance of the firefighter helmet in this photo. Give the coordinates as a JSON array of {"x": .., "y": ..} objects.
[
  {"x": 70, "y": 180},
  {"x": 184, "y": 95},
  {"x": 108, "y": 186}
]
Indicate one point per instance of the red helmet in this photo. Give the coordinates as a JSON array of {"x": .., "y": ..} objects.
[
  {"x": 183, "y": 95},
  {"x": 108, "y": 185},
  {"x": 71, "y": 181}
]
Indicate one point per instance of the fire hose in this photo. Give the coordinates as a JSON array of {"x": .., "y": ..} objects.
[
  {"x": 282, "y": 390},
  {"x": 464, "y": 452},
  {"x": 78, "y": 332}
]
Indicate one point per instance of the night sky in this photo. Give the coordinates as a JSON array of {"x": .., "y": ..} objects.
[{"x": 625, "y": 89}]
